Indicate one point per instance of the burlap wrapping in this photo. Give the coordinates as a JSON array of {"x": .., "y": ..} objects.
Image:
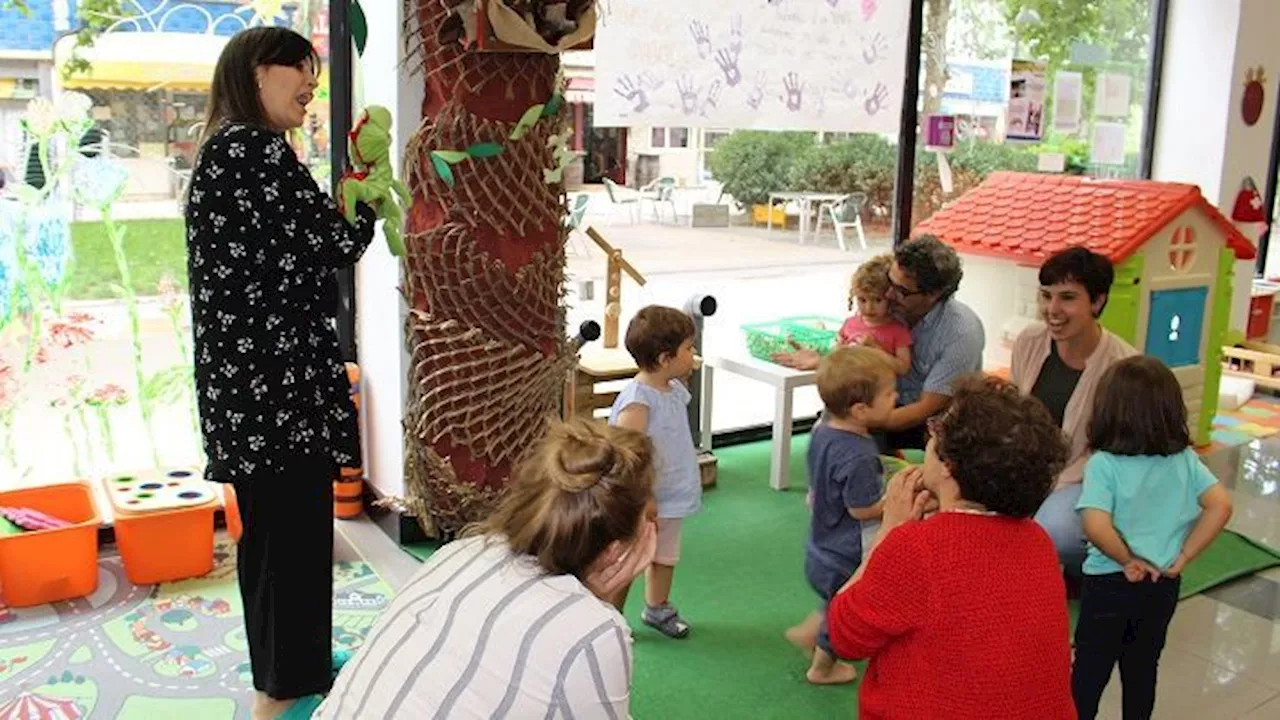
[{"x": 488, "y": 356}]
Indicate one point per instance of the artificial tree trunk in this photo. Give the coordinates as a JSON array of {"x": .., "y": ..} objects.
[{"x": 484, "y": 271}]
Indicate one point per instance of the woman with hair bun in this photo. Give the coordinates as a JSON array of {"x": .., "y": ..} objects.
[{"x": 514, "y": 619}]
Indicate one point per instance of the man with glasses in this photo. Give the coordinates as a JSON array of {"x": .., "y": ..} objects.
[{"x": 947, "y": 337}]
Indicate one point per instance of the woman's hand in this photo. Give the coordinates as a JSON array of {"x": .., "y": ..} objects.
[
  {"x": 618, "y": 566},
  {"x": 905, "y": 498},
  {"x": 1176, "y": 568}
]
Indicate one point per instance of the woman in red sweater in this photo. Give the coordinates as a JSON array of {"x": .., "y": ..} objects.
[{"x": 963, "y": 614}]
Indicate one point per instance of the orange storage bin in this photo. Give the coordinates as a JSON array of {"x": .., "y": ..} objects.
[
  {"x": 167, "y": 542},
  {"x": 348, "y": 494},
  {"x": 46, "y": 566},
  {"x": 231, "y": 511}
]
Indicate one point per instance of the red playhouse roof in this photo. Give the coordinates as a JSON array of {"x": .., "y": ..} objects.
[{"x": 1026, "y": 217}]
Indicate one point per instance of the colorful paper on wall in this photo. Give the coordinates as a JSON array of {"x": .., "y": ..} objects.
[
  {"x": 1024, "y": 119},
  {"x": 1068, "y": 94},
  {"x": 1112, "y": 96},
  {"x": 1108, "y": 143}
]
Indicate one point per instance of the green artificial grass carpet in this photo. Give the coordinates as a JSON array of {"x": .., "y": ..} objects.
[{"x": 740, "y": 584}]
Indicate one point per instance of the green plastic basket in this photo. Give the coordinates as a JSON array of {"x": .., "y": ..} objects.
[{"x": 812, "y": 332}]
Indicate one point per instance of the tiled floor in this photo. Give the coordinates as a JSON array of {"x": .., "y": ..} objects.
[{"x": 1222, "y": 660}]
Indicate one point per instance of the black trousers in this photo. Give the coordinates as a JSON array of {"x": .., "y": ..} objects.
[
  {"x": 1125, "y": 622},
  {"x": 285, "y": 562}
]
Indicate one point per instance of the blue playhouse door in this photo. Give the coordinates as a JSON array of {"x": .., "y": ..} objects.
[{"x": 1174, "y": 325}]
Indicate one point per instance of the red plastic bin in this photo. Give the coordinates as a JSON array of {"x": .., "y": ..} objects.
[{"x": 46, "y": 566}]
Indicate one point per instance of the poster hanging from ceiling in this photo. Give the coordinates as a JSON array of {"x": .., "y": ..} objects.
[
  {"x": 1024, "y": 119},
  {"x": 833, "y": 65}
]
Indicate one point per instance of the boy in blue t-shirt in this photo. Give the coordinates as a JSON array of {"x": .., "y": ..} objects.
[{"x": 857, "y": 386}]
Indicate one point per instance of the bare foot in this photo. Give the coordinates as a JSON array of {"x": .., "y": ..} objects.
[
  {"x": 802, "y": 638},
  {"x": 839, "y": 674},
  {"x": 266, "y": 707}
]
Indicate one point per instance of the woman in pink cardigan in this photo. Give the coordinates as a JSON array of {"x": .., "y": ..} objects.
[{"x": 1060, "y": 362}]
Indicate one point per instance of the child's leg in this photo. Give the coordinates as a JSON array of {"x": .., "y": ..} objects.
[
  {"x": 805, "y": 635},
  {"x": 657, "y": 584},
  {"x": 659, "y": 613},
  {"x": 824, "y": 669},
  {"x": 1104, "y": 613},
  {"x": 1144, "y": 643}
]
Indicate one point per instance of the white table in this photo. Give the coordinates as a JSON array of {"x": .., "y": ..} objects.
[
  {"x": 806, "y": 201},
  {"x": 783, "y": 380}
]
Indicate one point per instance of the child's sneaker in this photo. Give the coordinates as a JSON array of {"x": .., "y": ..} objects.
[{"x": 666, "y": 620}]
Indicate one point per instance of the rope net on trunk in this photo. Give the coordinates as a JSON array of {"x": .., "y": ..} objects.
[{"x": 484, "y": 275}]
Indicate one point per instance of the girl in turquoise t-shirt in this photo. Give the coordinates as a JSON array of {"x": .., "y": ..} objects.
[{"x": 1148, "y": 507}]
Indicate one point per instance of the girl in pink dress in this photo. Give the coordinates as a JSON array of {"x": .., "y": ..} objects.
[{"x": 873, "y": 325}]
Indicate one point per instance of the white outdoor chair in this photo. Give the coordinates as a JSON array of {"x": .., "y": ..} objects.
[
  {"x": 619, "y": 199},
  {"x": 844, "y": 213},
  {"x": 661, "y": 191}
]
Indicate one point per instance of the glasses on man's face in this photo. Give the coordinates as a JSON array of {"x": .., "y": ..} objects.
[{"x": 900, "y": 291}]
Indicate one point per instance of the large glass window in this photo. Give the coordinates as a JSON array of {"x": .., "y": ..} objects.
[
  {"x": 95, "y": 347},
  {"x": 1031, "y": 86}
]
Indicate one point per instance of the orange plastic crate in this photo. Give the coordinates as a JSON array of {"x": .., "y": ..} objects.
[
  {"x": 166, "y": 545},
  {"x": 46, "y": 566}
]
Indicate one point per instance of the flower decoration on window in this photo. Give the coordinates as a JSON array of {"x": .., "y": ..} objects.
[
  {"x": 99, "y": 181},
  {"x": 48, "y": 242}
]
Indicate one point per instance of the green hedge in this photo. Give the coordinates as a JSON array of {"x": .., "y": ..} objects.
[{"x": 751, "y": 164}]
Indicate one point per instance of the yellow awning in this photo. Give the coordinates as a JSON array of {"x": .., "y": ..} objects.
[{"x": 143, "y": 61}]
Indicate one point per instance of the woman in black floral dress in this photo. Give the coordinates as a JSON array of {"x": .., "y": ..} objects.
[{"x": 263, "y": 243}]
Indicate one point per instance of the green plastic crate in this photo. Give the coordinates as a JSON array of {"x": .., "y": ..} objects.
[{"x": 820, "y": 334}]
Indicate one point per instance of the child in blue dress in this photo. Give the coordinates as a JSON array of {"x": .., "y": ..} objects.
[
  {"x": 1149, "y": 507},
  {"x": 660, "y": 339}
]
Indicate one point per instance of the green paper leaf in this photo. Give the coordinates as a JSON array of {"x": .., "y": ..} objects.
[
  {"x": 484, "y": 150},
  {"x": 359, "y": 26},
  {"x": 527, "y": 121},
  {"x": 453, "y": 157},
  {"x": 553, "y": 105},
  {"x": 442, "y": 168}
]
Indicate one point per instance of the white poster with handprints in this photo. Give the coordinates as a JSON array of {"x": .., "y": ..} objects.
[{"x": 834, "y": 65}]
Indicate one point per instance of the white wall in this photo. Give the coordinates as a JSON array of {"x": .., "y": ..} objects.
[
  {"x": 1200, "y": 137},
  {"x": 1004, "y": 297},
  {"x": 380, "y": 310}
]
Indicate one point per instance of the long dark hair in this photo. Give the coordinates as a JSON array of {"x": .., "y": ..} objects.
[
  {"x": 1138, "y": 410},
  {"x": 233, "y": 96}
]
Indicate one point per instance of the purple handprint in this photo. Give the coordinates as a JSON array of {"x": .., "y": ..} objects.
[
  {"x": 688, "y": 95},
  {"x": 756, "y": 97},
  {"x": 735, "y": 35},
  {"x": 713, "y": 96},
  {"x": 728, "y": 63},
  {"x": 868, "y": 9},
  {"x": 701, "y": 36},
  {"x": 876, "y": 98},
  {"x": 795, "y": 89},
  {"x": 875, "y": 49},
  {"x": 628, "y": 88},
  {"x": 833, "y": 3}
]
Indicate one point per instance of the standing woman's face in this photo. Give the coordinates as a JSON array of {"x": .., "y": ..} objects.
[{"x": 285, "y": 91}]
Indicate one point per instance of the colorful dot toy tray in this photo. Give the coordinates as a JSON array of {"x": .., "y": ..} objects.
[{"x": 160, "y": 490}]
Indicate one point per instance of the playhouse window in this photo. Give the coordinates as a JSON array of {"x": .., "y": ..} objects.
[{"x": 1182, "y": 249}]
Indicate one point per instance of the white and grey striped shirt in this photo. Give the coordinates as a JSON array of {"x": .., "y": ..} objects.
[{"x": 480, "y": 632}]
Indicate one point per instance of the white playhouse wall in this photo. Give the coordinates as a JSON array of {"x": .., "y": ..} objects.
[
  {"x": 1158, "y": 274},
  {"x": 1003, "y": 294}
]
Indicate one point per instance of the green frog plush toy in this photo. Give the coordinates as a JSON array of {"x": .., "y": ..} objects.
[{"x": 370, "y": 179}]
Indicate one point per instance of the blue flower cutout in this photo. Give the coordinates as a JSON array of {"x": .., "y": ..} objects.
[
  {"x": 8, "y": 259},
  {"x": 99, "y": 181},
  {"x": 48, "y": 241}
]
